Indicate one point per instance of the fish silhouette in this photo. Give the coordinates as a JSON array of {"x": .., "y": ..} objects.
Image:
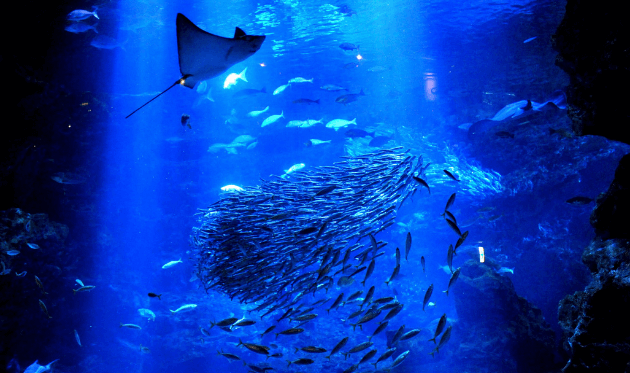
[{"x": 203, "y": 55}]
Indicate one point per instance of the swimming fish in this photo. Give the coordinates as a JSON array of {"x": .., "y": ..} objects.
[
  {"x": 80, "y": 15},
  {"x": 231, "y": 79},
  {"x": 254, "y": 114},
  {"x": 185, "y": 308},
  {"x": 272, "y": 119},
  {"x": 203, "y": 55},
  {"x": 76, "y": 337},
  {"x": 171, "y": 263},
  {"x": 427, "y": 296},
  {"x": 281, "y": 89},
  {"x": 313, "y": 142},
  {"x": 336, "y": 124},
  {"x": 232, "y": 188},
  {"x": 153, "y": 295}
]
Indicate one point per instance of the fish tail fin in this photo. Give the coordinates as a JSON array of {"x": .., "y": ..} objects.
[
  {"x": 179, "y": 81},
  {"x": 212, "y": 324},
  {"x": 277, "y": 335},
  {"x": 354, "y": 121},
  {"x": 172, "y": 311},
  {"x": 74, "y": 292},
  {"x": 316, "y": 101},
  {"x": 242, "y": 75},
  {"x": 289, "y": 361},
  {"x": 433, "y": 339},
  {"x": 160, "y": 297},
  {"x": 240, "y": 342},
  {"x": 95, "y": 16},
  {"x": 296, "y": 350},
  {"x": 281, "y": 114},
  {"x": 120, "y": 325},
  {"x": 328, "y": 357}
]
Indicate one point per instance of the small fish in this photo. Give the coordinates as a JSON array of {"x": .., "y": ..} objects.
[
  {"x": 106, "y": 42},
  {"x": 379, "y": 329},
  {"x": 153, "y": 295},
  {"x": 185, "y": 308},
  {"x": 76, "y": 337},
  {"x": 272, "y": 119},
  {"x": 358, "y": 348},
  {"x": 385, "y": 356},
  {"x": 82, "y": 289},
  {"x": 172, "y": 263},
  {"x": 427, "y": 296},
  {"x": 454, "y": 278},
  {"x": 460, "y": 241},
  {"x": 345, "y": 281},
  {"x": 579, "y": 201},
  {"x": 337, "y": 302},
  {"x": 300, "y": 80},
  {"x": 229, "y": 356},
  {"x": 290, "y": 331},
  {"x": 422, "y": 262},
  {"x": 449, "y": 174},
  {"x": 311, "y": 349},
  {"x": 130, "y": 326},
  {"x": 79, "y": 282},
  {"x": 40, "y": 285},
  {"x": 348, "y": 98},
  {"x": 79, "y": 27},
  {"x": 244, "y": 323},
  {"x": 144, "y": 312},
  {"x": 450, "y": 202},
  {"x": 332, "y": 88},
  {"x": 80, "y": 15},
  {"x": 13, "y": 252},
  {"x": 505, "y": 270},
  {"x": 144, "y": 349},
  {"x": 379, "y": 141},
  {"x": 232, "y": 188},
  {"x": 394, "y": 274},
  {"x": 399, "y": 359},
  {"x": 449, "y": 258},
  {"x": 397, "y": 335},
  {"x": 306, "y": 101},
  {"x": 348, "y": 46},
  {"x": 43, "y": 307},
  {"x": 440, "y": 326},
  {"x": 410, "y": 334},
  {"x": 445, "y": 337},
  {"x": 292, "y": 169},
  {"x": 254, "y": 114},
  {"x": 33, "y": 246},
  {"x": 268, "y": 330},
  {"x": 423, "y": 183},
  {"x": 369, "y": 271},
  {"x": 185, "y": 120},
  {"x": 338, "y": 347},
  {"x": 454, "y": 227},
  {"x": 259, "y": 349},
  {"x": 21, "y": 274},
  {"x": 357, "y": 132},
  {"x": 301, "y": 362},
  {"x": 231, "y": 79},
  {"x": 336, "y": 124},
  {"x": 407, "y": 245},
  {"x": 367, "y": 356},
  {"x": 281, "y": 89},
  {"x": 530, "y": 39},
  {"x": 225, "y": 322}
]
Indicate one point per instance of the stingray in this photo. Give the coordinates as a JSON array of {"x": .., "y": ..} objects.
[{"x": 203, "y": 55}]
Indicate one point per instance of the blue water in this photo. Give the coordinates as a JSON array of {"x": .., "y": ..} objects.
[{"x": 426, "y": 68}]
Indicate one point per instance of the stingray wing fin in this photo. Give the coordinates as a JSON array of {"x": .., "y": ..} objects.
[{"x": 202, "y": 55}]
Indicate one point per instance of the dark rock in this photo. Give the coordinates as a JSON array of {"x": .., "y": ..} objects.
[
  {"x": 592, "y": 43},
  {"x": 610, "y": 218},
  {"x": 595, "y": 321},
  {"x": 498, "y": 329}
]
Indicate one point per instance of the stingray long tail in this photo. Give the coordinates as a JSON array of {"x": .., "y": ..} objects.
[{"x": 179, "y": 81}]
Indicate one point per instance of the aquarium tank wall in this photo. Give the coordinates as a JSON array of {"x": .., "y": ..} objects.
[{"x": 312, "y": 186}]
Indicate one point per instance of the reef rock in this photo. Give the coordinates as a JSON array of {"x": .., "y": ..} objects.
[
  {"x": 595, "y": 321},
  {"x": 500, "y": 331}
]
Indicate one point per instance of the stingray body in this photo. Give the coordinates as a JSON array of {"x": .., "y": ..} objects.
[{"x": 203, "y": 55}]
